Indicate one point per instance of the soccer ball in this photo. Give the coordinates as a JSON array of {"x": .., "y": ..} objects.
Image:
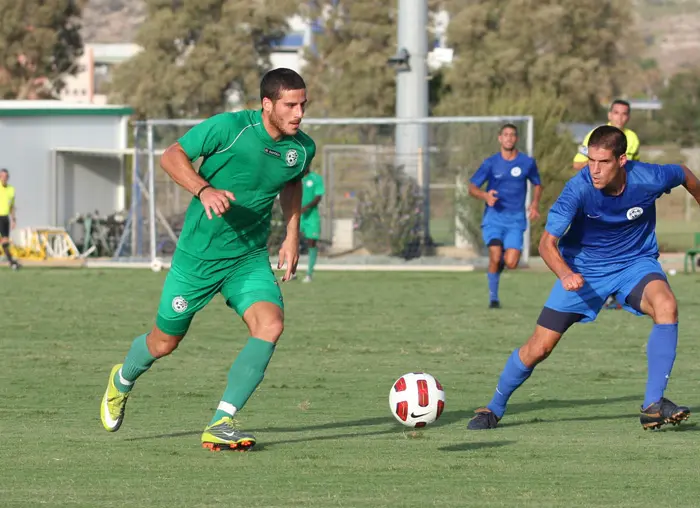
[
  {"x": 156, "y": 265},
  {"x": 416, "y": 399}
]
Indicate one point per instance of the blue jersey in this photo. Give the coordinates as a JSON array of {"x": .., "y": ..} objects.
[
  {"x": 509, "y": 180},
  {"x": 599, "y": 232}
]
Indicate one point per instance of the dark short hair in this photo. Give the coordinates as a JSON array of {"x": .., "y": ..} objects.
[
  {"x": 3, "y": 170},
  {"x": 622, "y": 103},
  {"x": 610, "y": 138},
  {"x": 508, "y": 126},
  {"x": 276, "y": 81}
]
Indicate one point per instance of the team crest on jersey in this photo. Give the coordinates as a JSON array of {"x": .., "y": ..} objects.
[
  {"x": 291, "y": 157},
  {"x": 516, "y": 172},
  {"x": 634, "y": 213},
  {"x": 179, "y": 304}
]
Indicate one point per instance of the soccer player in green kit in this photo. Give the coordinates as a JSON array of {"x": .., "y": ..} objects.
[
  {"x": 249, "y": 157},
  {"x": 310, "y": 216}
]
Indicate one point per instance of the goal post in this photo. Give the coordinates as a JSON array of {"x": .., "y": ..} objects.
[{"x": 351, "y": 152}]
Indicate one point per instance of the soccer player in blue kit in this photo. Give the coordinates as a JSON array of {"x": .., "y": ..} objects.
[
  {"x": 604, "y": 223},
  {"x": 504, "y": 221}
]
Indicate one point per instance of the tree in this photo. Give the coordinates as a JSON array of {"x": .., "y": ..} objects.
[
  {"x": 346, "y": 69},
  {"x": 681, "y": 108},
  {"x": 200, "y": 55},
  {"x": 39, "y": 45},
  {"x": 577, "y": 49}
]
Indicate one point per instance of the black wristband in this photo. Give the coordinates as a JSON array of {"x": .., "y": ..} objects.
[{"x": 199, "y": 192}]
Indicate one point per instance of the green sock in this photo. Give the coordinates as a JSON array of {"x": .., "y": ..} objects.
[
  {"x": 138, "y": 360},
  {"x": 313, "y": 252},
  {"x": 246, "y": 374}
]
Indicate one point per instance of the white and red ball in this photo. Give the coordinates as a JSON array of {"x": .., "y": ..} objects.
[{"x": 416, "y": 399}]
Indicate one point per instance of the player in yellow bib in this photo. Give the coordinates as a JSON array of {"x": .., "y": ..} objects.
[
  {"x": 7, "y": 216},
  {"x": 249, "y": 158},
  {"x": 618, "y": 116}
]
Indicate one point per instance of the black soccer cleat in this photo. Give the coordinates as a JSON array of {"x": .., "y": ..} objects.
[
  {"x": 494, "y": 304},
  {"x": 484, "y": 419},
  {"x": 663, "y": 412}
]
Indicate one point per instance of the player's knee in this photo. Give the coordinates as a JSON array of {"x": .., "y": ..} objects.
[
  {"x": 539, "y": 346},
  {"x": 666, "y": 310},
  {"x": 161, "y": 344},
  {"x": 512, "y": 263},
  {"x": 268, "y": 328},
  {"x": 534, "y": 352}
]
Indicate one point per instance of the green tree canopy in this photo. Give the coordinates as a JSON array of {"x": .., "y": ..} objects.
[
  {"x": 199, "y": 55},
  {"x": 576, "y": 49},
  {"x": 681, "y": 108},
  {"x": 40, "y": 44},
  {"x": 346, "y": 69}
]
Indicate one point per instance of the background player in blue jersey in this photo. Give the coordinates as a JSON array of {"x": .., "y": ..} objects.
[
  {"x": 504, "y": 221},
  {"x": 604, "y": 223}
]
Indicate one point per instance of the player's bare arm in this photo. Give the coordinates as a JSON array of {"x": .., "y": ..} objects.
[
  {"x": 314, "y": 202},
  {"x": 552, "y": 257},
  {"x": 489, "y": 197},
  {"x": 691, "y": 184},
  {"x": 177, "y": 165},
  {"x": 534, "y": 211},
  {"x": 290, "y": 199}
]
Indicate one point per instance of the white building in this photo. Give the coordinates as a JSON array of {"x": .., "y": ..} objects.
[{"x": 64, "y": 159}]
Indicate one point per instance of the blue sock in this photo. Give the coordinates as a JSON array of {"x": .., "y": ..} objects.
[
  {"x": 661, "y": 353},
  {"x": 493, "y": 285},
  {"x": 514, "y": 374}
]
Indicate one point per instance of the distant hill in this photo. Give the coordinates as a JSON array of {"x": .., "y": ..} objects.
[
  {"x": 112, "y": 20},
  {"x": 671, "y": 28}
]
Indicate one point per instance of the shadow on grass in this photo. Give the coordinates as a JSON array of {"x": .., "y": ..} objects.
[
  {"x": 469, "y": 447},
  {"x": 447, "y": 418}
]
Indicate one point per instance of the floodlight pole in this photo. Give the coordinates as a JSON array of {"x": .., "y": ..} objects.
[{"x": 411, "y": 67}]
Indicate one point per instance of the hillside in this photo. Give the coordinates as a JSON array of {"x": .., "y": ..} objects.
[{"x": 671, "y": 28}]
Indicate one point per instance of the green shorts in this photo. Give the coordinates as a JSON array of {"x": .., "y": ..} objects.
[
  {"x": 311, "y": 228},
  {"x": 191, "y": 283}
]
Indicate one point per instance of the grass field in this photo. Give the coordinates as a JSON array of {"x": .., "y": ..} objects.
[{"x": 326, "y": 437}]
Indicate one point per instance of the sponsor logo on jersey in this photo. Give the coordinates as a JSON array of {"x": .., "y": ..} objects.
[
  {"x": 291, "y": 157},
  {"x": 634, "y": 213},
  {"x": 273, "y": 153}
]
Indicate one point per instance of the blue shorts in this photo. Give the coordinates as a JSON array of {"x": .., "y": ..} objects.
[
  {"x": 598, "y": 286},
  {"x": 508, "y": 237}
]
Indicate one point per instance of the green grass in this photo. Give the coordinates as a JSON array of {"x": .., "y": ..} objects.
[{"x": 326, "y": 437}]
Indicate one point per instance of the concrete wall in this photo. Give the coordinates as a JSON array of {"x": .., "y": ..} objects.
[{"x": 26, "y": 143}]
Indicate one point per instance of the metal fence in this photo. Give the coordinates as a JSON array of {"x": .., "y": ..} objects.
[{"x": 350, "y": 153}]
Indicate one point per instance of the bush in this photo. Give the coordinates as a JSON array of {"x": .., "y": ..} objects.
[{"x": 388, "y": 215}]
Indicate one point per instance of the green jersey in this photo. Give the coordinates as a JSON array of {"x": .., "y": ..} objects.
[
  {"x": 241, "y": 157},
  {"x": 313, "y": 187}
]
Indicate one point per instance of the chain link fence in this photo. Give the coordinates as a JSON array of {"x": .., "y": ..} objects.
[{"x": 378, "y": 201}]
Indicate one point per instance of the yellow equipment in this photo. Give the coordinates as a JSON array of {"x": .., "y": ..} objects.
[{"x": 46, "y": 243}]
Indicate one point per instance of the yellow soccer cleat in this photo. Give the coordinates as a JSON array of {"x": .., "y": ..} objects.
[
  {"x": 223, "y": 435},
  {"x": 113, "y": 404}
]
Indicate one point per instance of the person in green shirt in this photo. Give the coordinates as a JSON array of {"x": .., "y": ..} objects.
[
  {"x": 248, "y": 158},
  {"x": 313, "y": 191}
]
